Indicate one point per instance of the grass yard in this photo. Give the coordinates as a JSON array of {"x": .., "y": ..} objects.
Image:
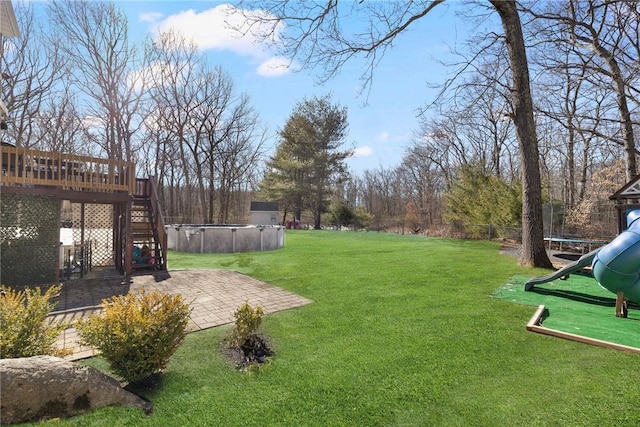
[{"x": 402, "y": 331}]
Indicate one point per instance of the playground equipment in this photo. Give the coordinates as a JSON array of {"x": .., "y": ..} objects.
[{"x": 616, "y": 266}]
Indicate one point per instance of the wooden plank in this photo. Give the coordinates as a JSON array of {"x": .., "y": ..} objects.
[
  {"x": 535, "y": 325},
  {"x": 72, "y": 195}
]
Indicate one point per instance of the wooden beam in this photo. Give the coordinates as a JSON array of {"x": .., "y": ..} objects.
[
  {"x": 72, "y": 195},
  {"x": 128, "y": 237}
]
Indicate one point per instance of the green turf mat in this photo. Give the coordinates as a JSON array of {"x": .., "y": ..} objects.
[{"x": 579, "y": 306}]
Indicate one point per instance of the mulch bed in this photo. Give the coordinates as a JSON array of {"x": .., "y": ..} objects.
[{"x": 254, "y": 351}]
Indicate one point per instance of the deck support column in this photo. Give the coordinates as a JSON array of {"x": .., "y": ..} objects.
[
  {"x": 128, "y": 238},
  {"x": 621, "y": 306}
]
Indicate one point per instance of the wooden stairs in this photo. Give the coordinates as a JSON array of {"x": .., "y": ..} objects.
[{"x": 147, "y": 228}]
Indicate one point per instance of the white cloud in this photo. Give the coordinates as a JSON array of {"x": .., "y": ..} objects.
[
  {"x": 383, "y": 137},
  {"x": 225, "y": 27},
  {"x": 93, "y": 123},
  {"x": 364, "y": 151},
  {"x": 210, "y": 29},
  {"x": 149, "y": 16},
  {"x": 275, "y": 66}
]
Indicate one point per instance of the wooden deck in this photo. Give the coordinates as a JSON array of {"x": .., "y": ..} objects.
[
  {"x": 86, "y": 179},
  {"x": 27, "y": 167}
]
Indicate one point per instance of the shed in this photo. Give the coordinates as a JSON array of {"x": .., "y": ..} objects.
[
  {"x": 627, "y": 199},
  {"x": 264, "y": 213}
]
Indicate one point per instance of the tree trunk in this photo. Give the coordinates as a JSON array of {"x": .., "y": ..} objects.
[
  {"x": 625, "y": 114},
  {"x": 533, "y": 248},
  {"x": 316, "y": 218}
]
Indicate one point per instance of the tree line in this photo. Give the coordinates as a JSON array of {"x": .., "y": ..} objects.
[
  {"x": 584, "y": 56},
  {"x": 74, "y": 82},
  {"x": 549, "y": 105},
  {"x": 477, "y": 156}
]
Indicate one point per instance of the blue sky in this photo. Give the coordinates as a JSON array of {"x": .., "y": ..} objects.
[{"x": 379, "y": 131}]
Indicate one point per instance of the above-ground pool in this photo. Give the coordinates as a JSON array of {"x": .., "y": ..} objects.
[{"x": 224, "y": 238}]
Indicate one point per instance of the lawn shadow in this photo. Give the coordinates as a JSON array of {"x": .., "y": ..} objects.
[
  {"x": 161, "y": 275},
  {"x": 576, "y": 296},
  {"x": 568, "y": 257},
  {"x": 585, "y": 298}
]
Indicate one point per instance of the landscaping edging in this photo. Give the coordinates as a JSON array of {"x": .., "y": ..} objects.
[{"x": 535, "y": 325}]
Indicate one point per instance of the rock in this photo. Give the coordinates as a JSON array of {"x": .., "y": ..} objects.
[{"x": 42, "y": 387}]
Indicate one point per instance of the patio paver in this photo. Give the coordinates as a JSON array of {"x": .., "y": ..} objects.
[{"x": 214, "y": 296}]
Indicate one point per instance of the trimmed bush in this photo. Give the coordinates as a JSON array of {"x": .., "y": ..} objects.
[
  {"x": 25, "y": 330},
  {"x": 248, "y": 320},
  {"x": 245, "y": 347},
  {"x": 137, "y": 334}
]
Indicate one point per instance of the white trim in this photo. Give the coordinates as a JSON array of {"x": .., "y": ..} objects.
[
  {"x": 8, "y": 22},
  {"x": 632, "y": 190}
]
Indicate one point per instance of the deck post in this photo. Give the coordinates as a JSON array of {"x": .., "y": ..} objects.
[
  {"x": 128, "y": 237},
  {"x": 83, "y": 260},
  {"x": 621, "y": 305}
]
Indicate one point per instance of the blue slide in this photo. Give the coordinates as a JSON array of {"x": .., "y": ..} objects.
[
  {"x": 578, "y": 265},
  {"x": 615, "y": 266}
]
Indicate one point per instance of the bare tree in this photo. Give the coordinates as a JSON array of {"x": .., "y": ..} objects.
[
  {"x": 93, "y": 37},
  {"x": 198, "y": 119},
  {"x": 533, "y": 249},
  {"x": 605, "y": 34},
  {"x": 30, "y": 69},
  {"x": 424, "y": 186},
  {"x": 473, "y": 124},
  {"x": 227, "y": 128},
  {"x": 438, "y": 142},
  {"x": 173, "y": 68},
  {"x": 59, "y": 125},
  {"x": 237, "y": 155},
  {"x": 316, "y": 37},
  {"x": 384, "y": 199},
  {"x": 577, "y": 110},
  {"x": 476, "y": 103},
  {"x": 212, "y": 102}
]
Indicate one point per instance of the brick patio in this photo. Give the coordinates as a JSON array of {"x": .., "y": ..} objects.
[{"x": 214, "y": 296}]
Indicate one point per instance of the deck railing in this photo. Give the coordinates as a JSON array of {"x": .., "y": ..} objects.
[
  {"x": 36, "y": 167},
  {"x": 159, "y": 220}
]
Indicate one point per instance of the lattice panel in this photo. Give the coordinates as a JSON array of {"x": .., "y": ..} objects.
[
  {"x": 98, "y": 231},
  {"x": 29, "y": 239},
  {"x": 140, "y": 215}
]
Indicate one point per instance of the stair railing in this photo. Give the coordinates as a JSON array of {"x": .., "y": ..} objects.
[{"x": 156, "y": 211}]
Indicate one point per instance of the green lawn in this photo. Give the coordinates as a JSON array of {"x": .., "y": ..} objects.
[{"x": 402, "y": 331}]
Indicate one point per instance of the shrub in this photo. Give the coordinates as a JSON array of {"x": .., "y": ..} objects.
[
  {"x": 137, "y": 334},
  {"x": 25, "y": 330},
  {"x": 245, "y": 346},
  {"x": 248, "y": 321},
  {"x": 479, "y": 198}
]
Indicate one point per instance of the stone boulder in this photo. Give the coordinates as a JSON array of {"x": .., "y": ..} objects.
[{"x": 42, "y": 387}]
